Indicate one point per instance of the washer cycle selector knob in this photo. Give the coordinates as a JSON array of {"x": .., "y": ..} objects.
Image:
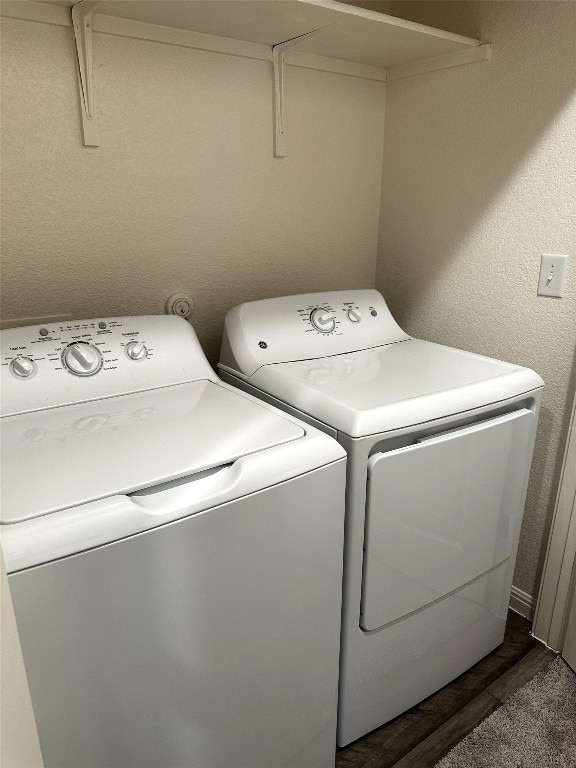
[
  {"x": 353, "y": 315},
  {"x": 136, "y": 350},
  {"x": 323, "y": 320},
  {"x": 23, "y": 367},
  {"x": 82, "y": 359}
]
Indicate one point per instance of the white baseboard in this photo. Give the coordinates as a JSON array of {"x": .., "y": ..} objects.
[{"x": 522, "y": 603}]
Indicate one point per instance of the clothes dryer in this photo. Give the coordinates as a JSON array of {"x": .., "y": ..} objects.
[
  {"x": 439, "y": 446},
  {"x": 174, "y": 550}
]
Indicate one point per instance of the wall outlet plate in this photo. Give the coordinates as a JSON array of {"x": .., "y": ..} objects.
[
  {"x": 180, "y": 304},
  {"x": 552, "y": 274}
]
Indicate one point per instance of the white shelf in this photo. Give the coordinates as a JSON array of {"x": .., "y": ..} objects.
[
  {"x": 317, "y": 34},
  {"x": 349, "y": 33}
]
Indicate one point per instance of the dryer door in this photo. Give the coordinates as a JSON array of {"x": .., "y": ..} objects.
[{"x": 442, "y": 512}]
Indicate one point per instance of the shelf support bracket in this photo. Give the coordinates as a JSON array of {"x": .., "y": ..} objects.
[
  {"x": 83, "y": 25},
  {"x": 278, "y": 54}
]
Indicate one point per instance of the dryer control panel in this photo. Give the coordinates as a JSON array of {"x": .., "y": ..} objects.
[
  {"x": 304, "y": 327},
  {"x": 70, "y": 362},
  {"x": 332, "y": 317}
]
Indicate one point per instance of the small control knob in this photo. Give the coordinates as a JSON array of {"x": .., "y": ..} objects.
[
  {"x": 23, "y": 367},
  {"x": 82, "y": 359},
  {"x": 323, "y": 320},
  {"x": 353, "y": 315},
  {"x": 136, "y": 350}
]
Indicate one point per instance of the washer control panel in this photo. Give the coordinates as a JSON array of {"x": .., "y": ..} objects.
[
  {"x": 85, "y": 348},
  {"x": 59, "y": 363},
  {"x": 304, "y": 327}
]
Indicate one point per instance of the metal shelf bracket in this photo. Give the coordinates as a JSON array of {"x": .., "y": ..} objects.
[
  {"x": 278, "y": 54},
  {"x": 82, "y": 25}
]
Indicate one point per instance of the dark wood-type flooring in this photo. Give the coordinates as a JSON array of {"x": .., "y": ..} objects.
[{"x": 423, "y": 735}]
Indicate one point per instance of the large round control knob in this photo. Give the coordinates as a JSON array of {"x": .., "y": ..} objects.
[
  {"x": 323, "y": 320},
  {"x": 353, "y": 315},
  {"x": 82, "y": 359},
  {"x": 136, "y": 350},
  {"x": 23, "y": 367}
]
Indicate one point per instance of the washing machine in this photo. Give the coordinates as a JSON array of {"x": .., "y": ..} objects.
[
  {"x": 439, "y": 445},
  {"x": 174, "y": 551}
]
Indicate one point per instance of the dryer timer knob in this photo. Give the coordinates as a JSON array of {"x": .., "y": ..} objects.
[{"x": 323, "y": 320}]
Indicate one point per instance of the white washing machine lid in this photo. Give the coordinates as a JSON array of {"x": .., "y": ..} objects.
[
  {"x": 393, "y": 386},
  {"x": 63, "y": 457}
]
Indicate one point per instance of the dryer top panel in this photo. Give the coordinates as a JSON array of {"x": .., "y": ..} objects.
[
  {"x": 394, "y": 386},
  {"x": 304, "y": 327}
]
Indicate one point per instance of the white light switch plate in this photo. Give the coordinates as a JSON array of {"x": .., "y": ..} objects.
[{"x": 552, "y": 274}]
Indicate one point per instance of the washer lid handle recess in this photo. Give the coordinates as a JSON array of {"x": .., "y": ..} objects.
[{"x": 52, "y": 536}]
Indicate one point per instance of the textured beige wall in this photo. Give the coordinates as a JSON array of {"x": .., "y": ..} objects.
[
  {"x": 479, "y": 181},
  {"x": 184, "y": 192}
]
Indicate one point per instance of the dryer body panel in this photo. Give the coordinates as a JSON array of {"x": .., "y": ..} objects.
[{"x": 440, "y": 513}]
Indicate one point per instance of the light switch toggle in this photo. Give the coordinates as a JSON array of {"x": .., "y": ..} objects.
[{"x": 552, "y": 274}]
